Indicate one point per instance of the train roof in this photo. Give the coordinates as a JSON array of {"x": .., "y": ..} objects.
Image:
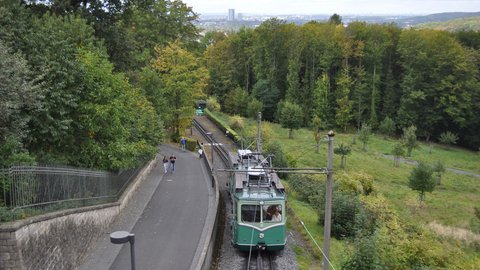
[
  {"x": 242, "y": 180},
  {"x": 261, "y": 193}
]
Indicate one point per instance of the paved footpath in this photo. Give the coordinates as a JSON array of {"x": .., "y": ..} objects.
[{"x": 167, "y": 215}]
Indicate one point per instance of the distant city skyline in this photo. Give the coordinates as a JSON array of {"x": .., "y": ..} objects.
[{"x": 309, "y": 7}]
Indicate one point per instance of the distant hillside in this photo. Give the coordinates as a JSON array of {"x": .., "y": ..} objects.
[
  {"x": 438, "y": 17},
  {"x": 464, "y": 24}
]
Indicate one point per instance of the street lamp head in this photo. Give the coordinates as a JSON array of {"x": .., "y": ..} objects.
[
  {"x": 121, "y": 237},
  {"x": 331, "y": 133}
]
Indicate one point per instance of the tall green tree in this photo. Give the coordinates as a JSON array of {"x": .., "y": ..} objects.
[
  {"x": 270, "y": 55},
  {"x": 344, "y": 104},
  {"x": 320, "y": 100},
  {"x": 290, "y": 116},
  {"x": 20, "y": 97},
  {"x": 269, "y": 97},
  {"x": 183, "y": 79},
  {"x": 409, "y": 139},
  {"x": 421, "y": 179},
  {"x": 317, "y": 126},
  {"x": 157, "y": 22},
  {"x": 387, "y": 127},
  {"x": 343, "y": 150},
  {"x": 398, "y": 151},
  {"x": 436, "y": 82},
  {"x": 364, "y": 135},
  {"x": 117, "y": 127},
  {"x": 50, "y": 50}
]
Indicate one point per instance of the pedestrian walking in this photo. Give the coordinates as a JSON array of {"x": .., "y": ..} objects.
[
  {"x": 165, "y": 163},
  {"x": 200, "y": 151},
  {"x": 173, "y": 158},
  {"x": 183, "y": 143}
]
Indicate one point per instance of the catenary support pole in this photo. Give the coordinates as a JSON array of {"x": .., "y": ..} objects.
[{"x": 328, "y": 203}]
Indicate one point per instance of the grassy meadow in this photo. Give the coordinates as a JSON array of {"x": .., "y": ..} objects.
[{"x": 450, "y": 205}]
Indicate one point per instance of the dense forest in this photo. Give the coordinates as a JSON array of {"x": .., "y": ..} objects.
[
  {"x": 354, "y": 75},
  {"x": 95, "y": 83}
]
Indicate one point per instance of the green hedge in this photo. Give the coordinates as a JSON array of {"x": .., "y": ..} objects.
[{"x": 224, "y": 127}]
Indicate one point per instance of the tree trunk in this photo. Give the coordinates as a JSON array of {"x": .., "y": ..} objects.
[
  {"x": 422, "y": 199},
  {"x": 290, "y": 133},
  {"x": 318, "y": 148}
]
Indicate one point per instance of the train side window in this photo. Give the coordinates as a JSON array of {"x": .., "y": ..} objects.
[
  {"x": 272, "y": 213},
  {"x": 250, "y": 213}
]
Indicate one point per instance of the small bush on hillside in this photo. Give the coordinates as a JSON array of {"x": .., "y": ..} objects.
[
  {"x": 307, "y": 186},
  {"x": 364, "y": 135},
  {"x": 364, "y": 256},
  {"x": 348, "y": 216},
  {"x": 279, "y": 158},
  {"x": 475, "y": 222},
  {"x": 212, "y": 104},
  {"x": 356, "y": 182},
  {"x": 387, "y": 127},
  {"x": 448, "y": 138},
  {"x": 237, "y": 123},
  {"x": 253, "y": 107},
  {"x": 249, "y": 133}
]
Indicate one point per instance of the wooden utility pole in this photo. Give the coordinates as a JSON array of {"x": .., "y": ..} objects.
[
  {"x": 328, "y": 203},
  {"x": 259, "y": 133}
]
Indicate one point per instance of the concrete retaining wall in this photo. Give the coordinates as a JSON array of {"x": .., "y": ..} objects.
[
  {"x": 59, "y": 240},
  {"x": 203, "y": 260}
]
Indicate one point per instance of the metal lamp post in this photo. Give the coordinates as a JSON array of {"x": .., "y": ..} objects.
[
  {"x": 328, "y": 202},
  {"x": 210, "y": 135},
  {"x": 121, "y": 237}
]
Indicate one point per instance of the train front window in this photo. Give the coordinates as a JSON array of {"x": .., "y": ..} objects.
[
  {"x": 272, "y": 213},
  {"x": 250, "y": 213}
]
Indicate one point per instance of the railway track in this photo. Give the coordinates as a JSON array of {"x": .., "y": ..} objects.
[
  {"x": 261, "y": 260},
  {"x": 250, "y": 261},
  {"x": 218, "y": 148}
]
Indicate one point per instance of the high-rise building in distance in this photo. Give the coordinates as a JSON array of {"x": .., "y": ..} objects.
[
  {"x": 239, "y": 16},
  {"x": 231, "y": 14}
]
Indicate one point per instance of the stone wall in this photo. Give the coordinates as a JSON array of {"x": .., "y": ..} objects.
[{"x": 59, "y": 240}]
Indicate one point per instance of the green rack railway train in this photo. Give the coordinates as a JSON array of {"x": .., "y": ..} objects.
[{"x": 258, "y": 202}]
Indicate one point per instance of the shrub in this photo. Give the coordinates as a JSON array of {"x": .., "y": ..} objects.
[
  {"x": 365, "y": 255},
  {"x": 475, "y": 222},
  {"x": 448, "y": 138},
  {"x": 224, "y": 127},
  {"x": 249, "y": 133},
  {"x": 409, "y": 139},
  {"x": 254, "y": 106},
  {"x": 191, "y": 144},
  {"x": 212, "y": 104},
  {"x": 279, "y": 158},
  {"x": 343, "y": 151},
  {"x": 237, "y": 123},
  {"x": 356, "y": 182},
  {"x": 387, "y": 127},
  {"x": 307, "y": 187},
  {"x": 421, "y": 179},
  {"x": 364, "y": 135},
  {"x": 348, "y": 216}
]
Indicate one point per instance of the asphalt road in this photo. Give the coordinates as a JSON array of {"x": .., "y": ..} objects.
[{"x": 167, "y": 217}]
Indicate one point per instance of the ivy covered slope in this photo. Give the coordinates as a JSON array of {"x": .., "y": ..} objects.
[{"x": 378, "y": 220}]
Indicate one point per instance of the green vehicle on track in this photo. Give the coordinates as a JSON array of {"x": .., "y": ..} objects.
[{"x": 258, "y": 201}]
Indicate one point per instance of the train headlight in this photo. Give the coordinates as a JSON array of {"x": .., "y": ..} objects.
[{"x": 261, "y": 235}]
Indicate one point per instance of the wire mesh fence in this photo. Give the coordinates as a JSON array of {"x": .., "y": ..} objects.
[{"x": 33, "y": 190}]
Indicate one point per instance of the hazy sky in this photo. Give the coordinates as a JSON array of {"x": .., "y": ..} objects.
[{"x": 333, "y": 6}]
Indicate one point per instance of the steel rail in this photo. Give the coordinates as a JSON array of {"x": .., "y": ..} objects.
[{"x": 218, "y": 148}]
